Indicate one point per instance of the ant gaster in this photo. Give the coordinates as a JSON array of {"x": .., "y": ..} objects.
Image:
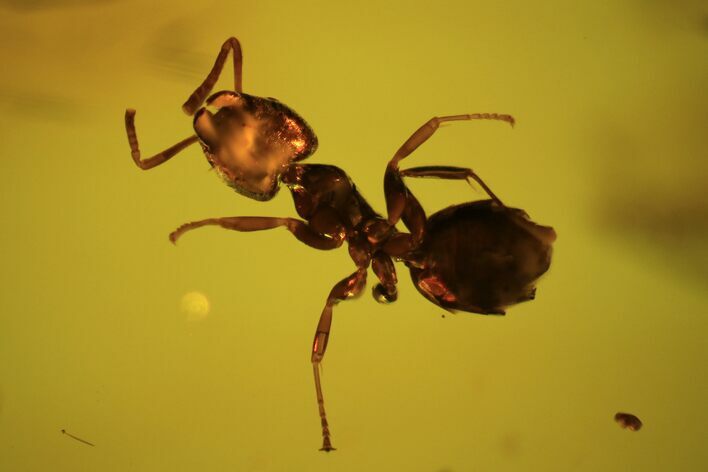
[{"x": 479, "y": 257}]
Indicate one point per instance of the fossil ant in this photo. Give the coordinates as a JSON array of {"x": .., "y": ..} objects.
[{"x": 479, "y": 257}]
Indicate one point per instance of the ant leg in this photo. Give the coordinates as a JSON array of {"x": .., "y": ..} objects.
[
  {"x": 402, "y": 204},
  {"x": 449, "y": 173},
  {"x": 400, "y": 246},
  {"x": 157, "y": 159},
  {"x": 423, "y": 133},
  {"x": 346, "y": 288},
  {"x": 385, "y": 292},
  {"x": 414, "y": 217},
  {"x": 396, "y": 193},
  {"x": 300, "y": 229},
  {"x": 201, "y": 93}
]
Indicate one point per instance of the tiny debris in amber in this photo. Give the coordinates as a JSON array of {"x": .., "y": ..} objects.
[{"x": 628, "y": 421}]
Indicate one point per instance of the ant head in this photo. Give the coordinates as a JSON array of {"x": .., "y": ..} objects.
[{"x": 250, "y": 140}]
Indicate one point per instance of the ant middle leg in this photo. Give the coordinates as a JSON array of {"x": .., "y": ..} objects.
[
  {"x": 158, "y": 158},
  {"x": 348, "y": 287},
  {"x": 300, "y": 229},
  {"x": 201, "y": 93},
  {"x": 449, "y": 173}
]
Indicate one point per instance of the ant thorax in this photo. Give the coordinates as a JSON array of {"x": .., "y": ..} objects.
[{"x": 250, "y": 140}]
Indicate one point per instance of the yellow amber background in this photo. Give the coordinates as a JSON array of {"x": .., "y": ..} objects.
[{"x": 610, "y": 149}]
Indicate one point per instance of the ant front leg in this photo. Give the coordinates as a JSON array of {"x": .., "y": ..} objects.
[
  {"x": 450, "y": 173},
  {"x": 396, "y": 193},
  {"x": 157, "y": 159},
  {"x": 346, "y": 288},
  {"x": 200, "y": 94},
  {"x": 301, "y": 230}
]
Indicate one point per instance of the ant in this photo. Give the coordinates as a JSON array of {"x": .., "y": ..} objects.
[{"x": 478, "y": 257}]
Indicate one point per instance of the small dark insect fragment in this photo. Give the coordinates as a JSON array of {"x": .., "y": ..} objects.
[
  {"x": 78, "y": 439},
  {"x": 628, "y": 421}
]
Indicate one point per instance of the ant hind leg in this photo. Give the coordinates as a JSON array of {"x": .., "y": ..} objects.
[
  {"x": 394, "y": 188},
  {"x": 424, "y": 133},
  {"x": 449, "y": 173}
]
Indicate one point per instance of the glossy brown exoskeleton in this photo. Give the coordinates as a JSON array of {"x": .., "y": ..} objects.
[{"x": 479, "y": 257}]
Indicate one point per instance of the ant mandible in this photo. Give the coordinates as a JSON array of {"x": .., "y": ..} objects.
[{"x": 479, "y": 257}]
